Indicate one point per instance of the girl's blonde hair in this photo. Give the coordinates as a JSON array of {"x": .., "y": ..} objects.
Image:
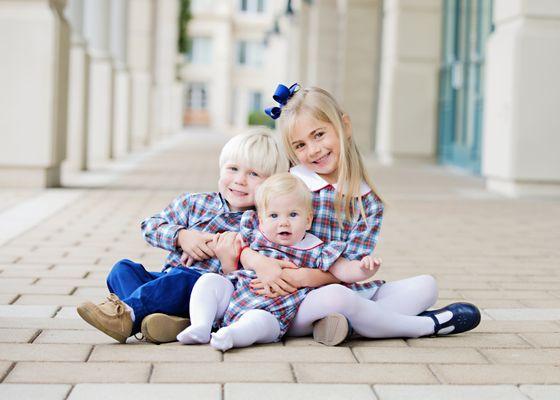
[
  {"x": 319, "y": 104},
  {"x": 258, "y": 149},
  {"x": 281, "y": 185}
]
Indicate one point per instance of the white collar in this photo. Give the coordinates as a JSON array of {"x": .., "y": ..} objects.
[
  {"x": 308, "y": 242},
  {"x": 315, "y": 183}
]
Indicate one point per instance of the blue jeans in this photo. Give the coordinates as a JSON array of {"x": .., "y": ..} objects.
[{"x": 152, "y": 292}]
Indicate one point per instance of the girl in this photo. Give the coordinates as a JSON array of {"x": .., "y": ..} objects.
[
  {"x": 284, "y": 208},
  {"x": 317, "y": 136}
]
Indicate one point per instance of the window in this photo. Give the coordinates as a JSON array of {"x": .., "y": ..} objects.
[
  {"x": 249, "y": 53},
  {"x": 200, "y": 50},
  {"x": 197, "y": 96},
  {"x": 255, "y": 99},
  {"x": 252, "y": 6}
]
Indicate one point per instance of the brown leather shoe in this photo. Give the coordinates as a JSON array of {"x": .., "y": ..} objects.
[
  {"x": 110, "y": 317},
  {"x": 161, "y": 328},
  {"x": 331, "y": 330}
]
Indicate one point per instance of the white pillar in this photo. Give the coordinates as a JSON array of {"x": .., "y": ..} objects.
[
  {"x": 521, "y": 141},
  {"x": 34, "y": 44},
  {"x": 407, "y": 112},
  {"x": 165, "y": 119},
  {"x": 100, "y": 128},
  {"x": 140, "y": 37},
  {"x": 122, "y": 140},
  {"x": 359, "y": 67},
  {"x": 78, "y": 90},
  {"x": 323, "y": 46},
  {"x": 220, "y": 87}
]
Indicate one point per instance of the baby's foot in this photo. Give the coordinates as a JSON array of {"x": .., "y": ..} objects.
[
  {"x": 194, "y": 335},
  {"x": 222, "y": 340}
]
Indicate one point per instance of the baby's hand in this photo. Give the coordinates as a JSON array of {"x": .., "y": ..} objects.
[{"x": 371, "y": 264}]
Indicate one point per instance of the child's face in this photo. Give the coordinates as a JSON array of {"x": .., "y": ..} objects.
[
  {"x": 285, "y": 220},
  {"x": 316, "y": 146},
  {"x": 238, "y": 183}
]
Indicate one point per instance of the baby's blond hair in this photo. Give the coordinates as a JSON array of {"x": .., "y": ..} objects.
[
  {"x": 258, "y": 149},
  {"x": 281, "y": 185}
]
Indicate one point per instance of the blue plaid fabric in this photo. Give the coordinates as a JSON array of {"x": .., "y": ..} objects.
[
  {"x": 207, "y": 212},
  {"x": 311, "y": 253},
  {"x": 359, "y": 236}
]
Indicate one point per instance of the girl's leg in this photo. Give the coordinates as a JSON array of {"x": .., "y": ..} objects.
[
  {"x": 409, "y": 296},
  {"x": 255, "y": 326},
  {"x": 366, "y": 317},
  {"x": 209, "y": 301}
]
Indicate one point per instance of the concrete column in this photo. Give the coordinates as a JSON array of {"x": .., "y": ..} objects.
[
  {"x": 100, "y": 125},
  {"x": 165, "y": 119},
  {"x": 359, "y": 67},
  {"x": 220, "y": 88},
  {"x": 407, "y": 111},
  {"x": 78, "y": 90},
  {"x": 140, "y": 39},
  {"x": 122, "y": 140},
  {"x": 522, "y": 124},
  {"x": 298, "y": 41},
  {"x": 35, "y": 45},
  {"x": 323, "y": 46}
]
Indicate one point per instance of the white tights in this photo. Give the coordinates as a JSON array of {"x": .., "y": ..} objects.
[
  {"x": 391, "y": 313},
  {"x": 209, "y": 301}
]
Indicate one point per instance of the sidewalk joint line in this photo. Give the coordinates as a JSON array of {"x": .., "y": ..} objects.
[
  {"x": 15, "y": 299},
  {"x": 35, "y": 336},
  {"x": 293, "y": 372},
  {"x": 89, "y": 354},
  {"x": 8, "y": 371},
  {"x": 150, "y": 373},
  {"x": 439, "y": 379},
  {"x": 69, "y": 392}
]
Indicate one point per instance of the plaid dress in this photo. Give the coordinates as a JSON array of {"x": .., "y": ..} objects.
[
  {"x": 359, "y": 236},
  {"x": 206, "y": 212},
  {"x": 311, "y": 252}
]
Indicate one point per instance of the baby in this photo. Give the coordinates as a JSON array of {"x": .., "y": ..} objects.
[{"x": 277, "y": 229}]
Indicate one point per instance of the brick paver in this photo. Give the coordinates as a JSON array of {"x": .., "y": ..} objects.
[{"x": 497, "y": 252}]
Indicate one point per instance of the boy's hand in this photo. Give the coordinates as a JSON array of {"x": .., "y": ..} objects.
[
  {"x": 227, "y": 246},
  {"x": 195, "y": 245},
  {"x": 371, "y": 264},
  {"x": 269, "y": 281}
]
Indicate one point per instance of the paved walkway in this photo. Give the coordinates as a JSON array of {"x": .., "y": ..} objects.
[{"x": 500, "y": 253}]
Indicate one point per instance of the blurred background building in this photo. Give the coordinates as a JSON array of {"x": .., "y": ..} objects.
[{"x": 473, "y": 84}]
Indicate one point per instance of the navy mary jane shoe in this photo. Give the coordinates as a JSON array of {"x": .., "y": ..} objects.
[{"x": 466, "y": 316}]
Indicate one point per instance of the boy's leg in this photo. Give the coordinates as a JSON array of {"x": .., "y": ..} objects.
[
  {"x": 120, "y": 318},
  {"x": 168, "y": 294},
  {"x": 254, "y": 326},
  {"x": 126, "y": 276},
  {"x": 209, "y": 301},
  {"x": 113, "y": 316}
]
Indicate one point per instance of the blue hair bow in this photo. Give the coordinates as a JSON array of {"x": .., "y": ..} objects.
[{"x": 281, "y": 96}]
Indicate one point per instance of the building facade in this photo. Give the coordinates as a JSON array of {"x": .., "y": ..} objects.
[
  {"x": 238, "y": 53},
  {"x": 83, "y": 82},
  {"x": 470, "y": 83}
]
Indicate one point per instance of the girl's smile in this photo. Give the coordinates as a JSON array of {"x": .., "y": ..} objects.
[{"x": 316, "y": 146}]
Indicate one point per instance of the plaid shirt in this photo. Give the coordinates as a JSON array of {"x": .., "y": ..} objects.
[
  {"x": 359, "y": 236},
  {"x": 311, "y": 252},
  {"x": 206, "y": 212}
]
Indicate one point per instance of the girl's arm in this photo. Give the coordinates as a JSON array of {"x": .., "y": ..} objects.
[
  {"x": 354, "y": 271},
  {"x": 268, "y": 271}
]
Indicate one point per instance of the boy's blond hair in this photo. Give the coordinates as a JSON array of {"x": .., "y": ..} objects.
[
  {"x": 258, "y": 149},
  {"x": 319, "y": 104},
  {"x": 281, "y": 185}
]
